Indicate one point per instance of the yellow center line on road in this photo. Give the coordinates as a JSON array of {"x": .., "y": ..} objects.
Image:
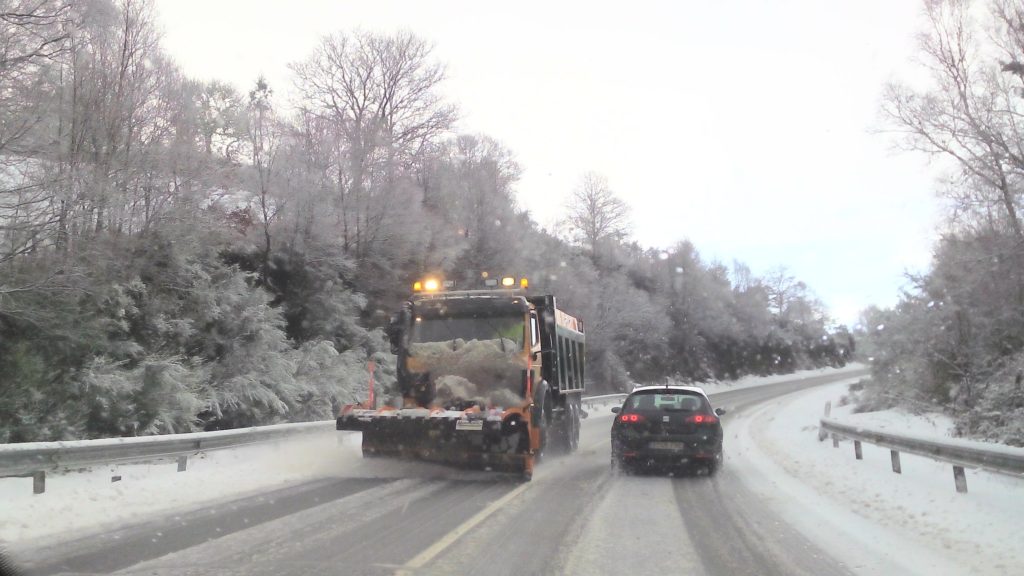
[{"x": 436, "y": 548}]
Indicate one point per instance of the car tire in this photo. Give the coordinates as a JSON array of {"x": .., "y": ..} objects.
[
  {"x": 714, "y": 464},
  {"x": 626, "y": 469},
  {"x": 619, "y": 467},
  {"x": 564, "y": 432}
]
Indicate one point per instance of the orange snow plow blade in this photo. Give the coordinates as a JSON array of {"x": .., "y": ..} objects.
[{"x": 495, "y": 440}]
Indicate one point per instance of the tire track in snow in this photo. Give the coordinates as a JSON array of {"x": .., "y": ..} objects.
[{"x": 129, "y": 546}]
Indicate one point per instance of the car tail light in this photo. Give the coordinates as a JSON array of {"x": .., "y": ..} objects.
[
  {"x": 702, "y": 419},
  {"x": 631, "y": 418}
]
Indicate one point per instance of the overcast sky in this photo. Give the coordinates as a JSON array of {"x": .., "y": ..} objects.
[{"x": 744, "y": 126}]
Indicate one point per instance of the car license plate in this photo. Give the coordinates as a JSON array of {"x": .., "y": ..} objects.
[
  {"x": 666, "y": 445},
  {"x": 469, "y": 425}
]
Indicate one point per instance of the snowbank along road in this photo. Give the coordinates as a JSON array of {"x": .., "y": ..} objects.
[{"x": 377, "y": 516}]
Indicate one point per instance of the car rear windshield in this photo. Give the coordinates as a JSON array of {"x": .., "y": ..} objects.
[{"x": 658, "y": 401}]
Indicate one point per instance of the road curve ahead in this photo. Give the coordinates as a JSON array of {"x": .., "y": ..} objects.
[{"x": 386, "y": 517}]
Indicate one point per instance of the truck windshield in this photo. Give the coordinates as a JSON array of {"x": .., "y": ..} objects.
[{"x": 477, "y": 359}]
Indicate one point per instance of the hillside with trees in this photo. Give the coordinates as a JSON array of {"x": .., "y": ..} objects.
[
  {"x": 956, "y": 339},
  {"x": 180, "y": 255}
]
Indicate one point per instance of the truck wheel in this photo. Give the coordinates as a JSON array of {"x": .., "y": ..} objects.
[
  {"x": 566, "y": 433},
  {"x": 543, "y": 424},
  {"x": 526, "y": 473},
  {"x": 569, "y": 431}
]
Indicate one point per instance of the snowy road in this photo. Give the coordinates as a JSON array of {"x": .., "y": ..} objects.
[{"x": 386, "y": 517}]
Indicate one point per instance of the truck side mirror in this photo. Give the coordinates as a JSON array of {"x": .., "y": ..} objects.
[
  {"x": 393, "y": 333},
  {"x": 395, "y": 329}
]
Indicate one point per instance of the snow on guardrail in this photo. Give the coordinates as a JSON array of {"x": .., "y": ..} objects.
[
  {"x": 960, "y": 453},
  {"x": 33, "y": 459}
]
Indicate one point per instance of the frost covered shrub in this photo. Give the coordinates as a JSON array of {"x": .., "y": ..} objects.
[
  {"x": 1004, "y": 425},
  {"x": 955, "y": 342},
  {"x": 33, "y": 407},
  {"x": 153, "y": 397},
  {"x": 330, "y": 379},
  {"x": 169, "y": 397},
  {"x": 313, "y": 288},
  {"x": 612, "y": 369},
  {"x": 106, "y": 390},
  {"x": 317, "y": 302},
  {"x": 251, "y": 375},
  {"x": 998, "y": 413},
  {"x": 872, "y": 401}
]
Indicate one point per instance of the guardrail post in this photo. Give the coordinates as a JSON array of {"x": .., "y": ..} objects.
[
  {"x": 39, "y": 482},
  {"x": 822, "y": 434},
  {"x": 952, "y": 454},
  {"x": 960, "y": 478},
  {"x": 182, "y": 463}
]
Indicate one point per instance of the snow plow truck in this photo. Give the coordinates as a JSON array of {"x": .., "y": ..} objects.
[{"x": 489, "y": 378}]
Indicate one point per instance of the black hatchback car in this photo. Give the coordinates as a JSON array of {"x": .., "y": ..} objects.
[{"x": 667, "y": 427}]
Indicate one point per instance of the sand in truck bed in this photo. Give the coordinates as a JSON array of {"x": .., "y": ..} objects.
[{"x": 487, "y": 372}]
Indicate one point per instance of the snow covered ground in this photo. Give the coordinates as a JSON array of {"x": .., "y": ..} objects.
[
  {"x": 747, "y": 381},
  {"x": 877, "y": 521},
  {"x": 89, "y": 499}
]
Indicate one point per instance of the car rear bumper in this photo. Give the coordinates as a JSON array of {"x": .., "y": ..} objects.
[{"x": 666, "y": 450}]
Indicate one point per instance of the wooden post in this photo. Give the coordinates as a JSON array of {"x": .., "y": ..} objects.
[
  {"x": 835, "y": 440},
  {"x": 38, "y": 482},
  {"x": 857, "y": 451},
  {"x": 182, "y": 463},
  {"x": 960, "y": 478},
  {"x": 896, "y": 462}
]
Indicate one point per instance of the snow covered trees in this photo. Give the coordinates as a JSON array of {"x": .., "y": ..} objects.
[
  {"x": 178, "y": 255},
  {"x": 127, "y": 305},
  {"x": 597, "y": 217},
  {"x": 957, "y": 338}
]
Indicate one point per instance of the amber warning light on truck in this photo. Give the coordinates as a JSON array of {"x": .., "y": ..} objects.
[{"x": 435, "y": 285}]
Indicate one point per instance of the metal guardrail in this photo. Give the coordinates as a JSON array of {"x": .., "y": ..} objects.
[
  {"x": 996, "y": 459},
  {"x": 36, "y": 458},
  {"x": 603, "y": 399}
]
